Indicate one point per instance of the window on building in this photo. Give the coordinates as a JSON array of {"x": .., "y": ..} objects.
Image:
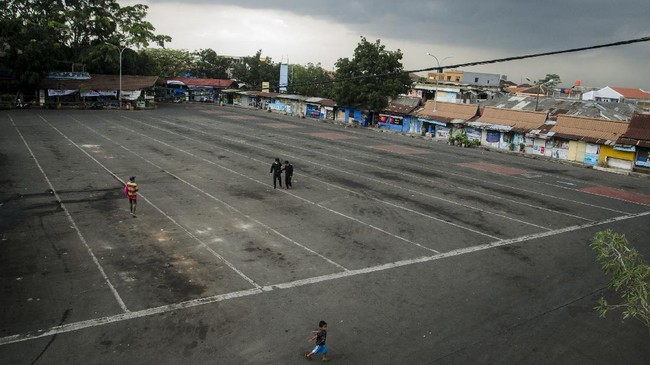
[
  {"x": 448, "y": 78},
  {"x": 457, "y": 78},
  {"x": 476, "y": 79}
]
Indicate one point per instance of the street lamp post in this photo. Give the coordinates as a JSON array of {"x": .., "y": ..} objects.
[
  {"x": 120, "y": 49},
  {"x": 435, "y": 98}
]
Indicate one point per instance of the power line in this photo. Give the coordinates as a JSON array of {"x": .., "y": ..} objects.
[
  {"x": 515, "y": 58},
  {"x": 476, "y": 63}
]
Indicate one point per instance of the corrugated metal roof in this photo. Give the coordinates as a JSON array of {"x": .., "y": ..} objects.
[
  {"x": 399, "y": 109},
  {"x": 321, "y": 101},
  {"x": 447, "y": 111},
  {"x": 519, "y": 120},
  {"x": 589, "y": 129},
  {"x": 102, "y": 82},
  {"x": 638, "y": 132},
  {"x": 591, "y": 109},
  {"x": 292, "y": 97}
]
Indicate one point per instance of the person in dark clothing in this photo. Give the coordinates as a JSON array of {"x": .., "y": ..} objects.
[
  {"x": 276, "y": 170},
  {"x": 288, "y": 174},
  {"x": 320, "y": 337}
]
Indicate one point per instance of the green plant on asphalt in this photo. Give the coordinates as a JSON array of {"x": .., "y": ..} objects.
[{"x": 630, "y": 276}]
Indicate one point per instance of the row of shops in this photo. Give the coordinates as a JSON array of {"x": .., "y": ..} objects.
[
  {"x": 304, "y": 106},
  {"x": 92, "y": 90},
  {"x": 591, "y": 141}
]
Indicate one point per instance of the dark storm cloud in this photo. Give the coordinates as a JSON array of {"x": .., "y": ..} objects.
[{"x": 520, "y": 25}]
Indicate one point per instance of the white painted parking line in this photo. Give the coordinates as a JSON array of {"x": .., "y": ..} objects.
[
  {"x": 205, "y": 245},
  {"x": 445, "y": 171},
  {"x": 298, "y": 283},
  {"x": 217, "y": 199},
  {"x": 345, "y": 172},
  {"x": 281, "y": 191},
  {"x": 72, "y": 222},
  {"x": 339, "y": 169},
  {"x": 566, "y": 183}
]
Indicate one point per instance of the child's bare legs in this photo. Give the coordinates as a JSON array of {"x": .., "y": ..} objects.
[{"x": 133, "y": 204}]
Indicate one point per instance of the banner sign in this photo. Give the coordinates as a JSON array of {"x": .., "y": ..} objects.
[
  {"x": 56, "y": 92},
  {"x": 131, "y": 95},
  {"x": 90, "y": 93}
]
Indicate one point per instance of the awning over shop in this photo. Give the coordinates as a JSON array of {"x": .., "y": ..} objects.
[
  {"x": 432, "y": 122},
  {"x": 131, "y": 95},
  {"x": 91, "y": 93},
  {"x": 56, "y": 92}
]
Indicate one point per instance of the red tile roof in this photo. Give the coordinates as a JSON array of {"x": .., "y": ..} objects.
[{"x": 632, "y": 93}]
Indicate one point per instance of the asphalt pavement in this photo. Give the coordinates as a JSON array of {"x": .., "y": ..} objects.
[{"x": 413, "y": 251}]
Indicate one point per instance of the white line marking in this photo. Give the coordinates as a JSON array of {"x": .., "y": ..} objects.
[
  {"x": 422, "y": 167},
  {"x": 282, "y": 191},
  {"x": 205, "y": 245},
  {"x": 330, "y": 184},
  {"x": 356, "y": 174},
  {"x": 297, "y": 283},
  {"x": 72, "y": 222},
  {"x": 566, "y": 182},
  {"x": 218, "y": 200}
]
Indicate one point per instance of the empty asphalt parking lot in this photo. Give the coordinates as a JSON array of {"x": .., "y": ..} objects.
[{"x": 414, "y": 252}]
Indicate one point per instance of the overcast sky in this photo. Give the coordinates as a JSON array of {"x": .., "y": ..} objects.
[{"x": 323, "y": 31}]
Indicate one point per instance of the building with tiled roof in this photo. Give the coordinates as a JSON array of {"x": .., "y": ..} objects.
[
  {"x": 100, "y": 82},
  {"x": 632, "y": 93},
  {"x": 214, "y": 83},
  {"x": 521, "y": 121},
  {"x": 620, "y": 95},
  {"x": 638, "y": 136},
  {"x": 447, "y": 112},
  {"x": 594, "y": 141},
  {"x": 591, "y": 130}
]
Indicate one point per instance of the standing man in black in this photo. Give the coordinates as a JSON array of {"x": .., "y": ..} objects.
[
  {"x": 276, "y": 170},
  {"x": 288, "y": 174}
]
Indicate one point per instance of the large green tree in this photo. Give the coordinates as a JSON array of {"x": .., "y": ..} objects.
[
  {"x": 41, "y": 36},
  {"x": 169, "y": 62},
  {"x": 311, "y": 80},
  {"x": 254, "y": 70},
  {"x": 208, "y": 64},
  {"x": 371, "y": 77}
]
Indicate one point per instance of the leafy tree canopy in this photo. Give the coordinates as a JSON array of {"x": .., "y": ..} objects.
[
  {"x": 254, "y": 70},
  {"x": 310, "y": 80},
  {"x": 630, "y": 276},
  {"x": 359, "y": 87},
  {"x": 207, "y": 64},
  {"x": 41, "y": 36},
  {"x": 168, "y": 62}
]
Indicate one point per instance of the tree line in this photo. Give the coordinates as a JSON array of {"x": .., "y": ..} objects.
[{"x": 40, "y": 36}]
